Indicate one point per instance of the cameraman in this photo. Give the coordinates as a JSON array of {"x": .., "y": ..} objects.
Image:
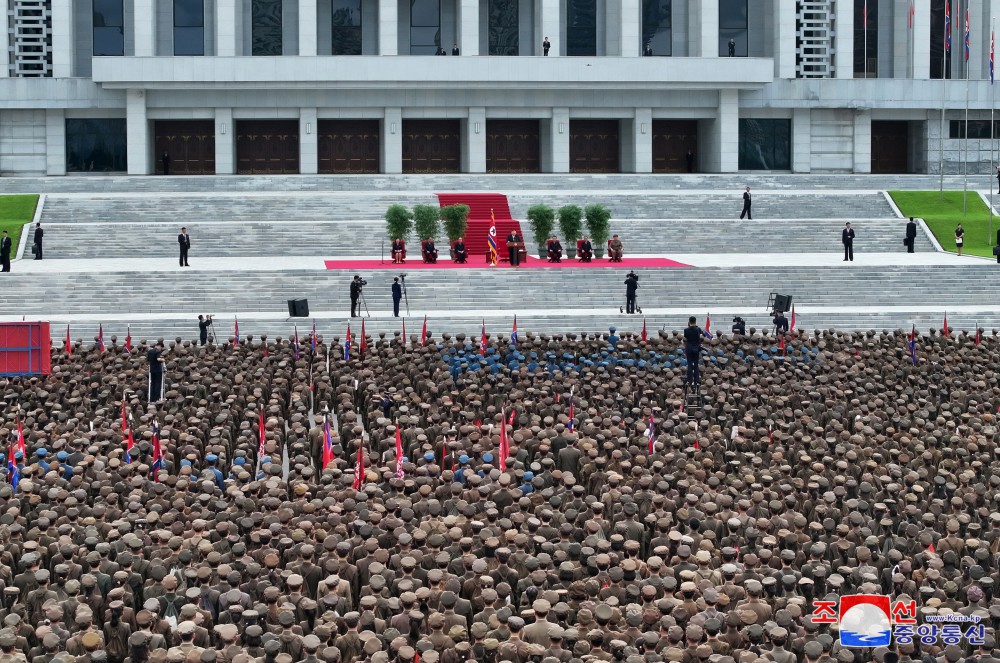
[
  {"x": 397, "y": 296},
  {"x": 204, "y": 322},
  {"x": 739, "y": 326},
  {"x": 780, "y": 323},
  {"x": 631, "y": 285},
  {"x": 356, "y": 285}
]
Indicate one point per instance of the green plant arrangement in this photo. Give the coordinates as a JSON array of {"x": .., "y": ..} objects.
[
  {"x": 571, "y": 227},
  {"x": 426, "y": 221},
  {"x": 398, "y": 222},
  {"x": 598, "y": 227},
  {"x": 542, "y": 220},
  {"x": 456, "y": 220}
]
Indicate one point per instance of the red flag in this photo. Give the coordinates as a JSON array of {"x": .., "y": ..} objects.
[
  {"x": 482, "y": 341},
  {"x": 644, "y": 337},
  {"x": 696, "y": 445},
  {"x": 513, "y": 333},
  {"x": 791, "y": 328},
  {"x": 504, "y": 443},
  {"x": 651, "y": 435},
  {"x": 124, "y": 416},
  {"x": 946, "y": 332},
  {"x": 912, "y": 11},
  {"x": 423, "y": 333},
  {"x": 399, "y": 452},
  {"x": 781, "y": 344},
  {"x": 100, "y": 337},
  {"x": 359, "y": 469},
  {"x": 157, "y": 453},
  {"x": 979, "y": 335},
  {"x": 129, "y": 447},
  {"x": 265, "y": 348},
  {"x": 404, "y": 332},
  {"x": 707, "y": 331},
  {"x": 69, "y": 343},
  {"x": 327, "y": 444},
  {"x": 363, "y": 347},
  {"x": 20, "y": 441},
  {"x": 236, "y": 332},
  {"x": 128, "y": 340},
  {"x": 263, "y": 435},
  {"x": 931, "y": 549},
  {"x": 510, "y": 419},
  {"x": 416, "y": 656}
]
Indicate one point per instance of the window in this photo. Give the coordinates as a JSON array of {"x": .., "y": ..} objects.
[
  {"x": 189, "y": 27},
  {"x": 939, "y": 61},
  {"x": 265, "y": 17},
  {"x": 425, "y": 26},
  {"x": 656, "y": 15},
  {"x": 733, "y": 21},
  {"x": 978, "y": 129},
  {"x": 581, "y": 27},
  {"x": 865, "y": 36},
  {"x": 109, "y": 27},
  {"x": 95, "y": 145},
  {"x": 503, "y": 27},
  {"x": 765, "y": 144},
  {"x": 346, "y": 27}
]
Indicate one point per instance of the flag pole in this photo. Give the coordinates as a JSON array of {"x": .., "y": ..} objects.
[{"x": 965, "y": 165}]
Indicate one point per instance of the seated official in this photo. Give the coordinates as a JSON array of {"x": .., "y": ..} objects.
[
  {"x": 458, "y": 251},
  {"x": 398, "y": 251},
  {"x": 554, "y": 249},
  {"x": 429, "y": 251},
  {"x": 584, "y": 250},
  {"x": 615, "y": 249}
]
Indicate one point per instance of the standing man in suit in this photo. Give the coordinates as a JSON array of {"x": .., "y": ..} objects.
[
  {"x": 847, "y": 237},
  {"x": 746, "y": 205},
  {"x": 5, "y": 245},
  {"x": 185, "y": 243},
  {"x": 911, "y": 235},
  {"x": 156, "y": 362},
  {"x": 513, "y": 248},
  {"x": 397, "y": 295},
  {"x": 454, "y": 49},
  {"x": 39, "y": 233},
  {"x": 546, "y": 45},
  {"x": 631, "y": 285}
]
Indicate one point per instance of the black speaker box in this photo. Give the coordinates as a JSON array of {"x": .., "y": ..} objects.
[
  {"x": 782, "y": 303},
  {"x": 298, "y": 308}
]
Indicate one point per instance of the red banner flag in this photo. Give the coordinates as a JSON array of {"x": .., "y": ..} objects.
[
  {"x": 791, "y": 327},
  {"x": 20, "y": 441},
  {"x": 100, "y": 337},
  {"x": 423, "y": 333},
  {"x": 946, "y": 332},
  {"x": 404, "y": 333},
  {"x": 69, "y": 343},
  {"x": 644, "y": 337},
  {"x": 263, "y": 435},
  {"x": 327, "y": 444},
  {"x": 399, "y": 452},
  {"x": 363, "y": 346},
  {"x": 979, "y": 335},
  {"x": 504, "y": 443},
  {"x": 359, "y": 469},
  {"x": 157, "y": 453},
  {"x": 128, "y": 340},
  {"x": 482, "y": 341}
]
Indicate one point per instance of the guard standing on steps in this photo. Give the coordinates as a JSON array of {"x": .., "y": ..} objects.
[
  {"x": 911, "y": 235},
  {"x": 746, "y": 205},
  {"x": 847, "y": 237},
  {"x": 397, "y": 296},
  {"x": 5, "y": 246},
  {"x": 184, "y": 240},
  {"x": 39, "y": 233}
]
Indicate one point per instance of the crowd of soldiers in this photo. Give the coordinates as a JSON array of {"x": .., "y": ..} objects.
[{"x": 842, "y": 463}]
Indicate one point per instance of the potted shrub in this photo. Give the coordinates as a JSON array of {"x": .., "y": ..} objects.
[
  {"x": 542, "y": 220},
  {"x": 425, "y": 222},
  {"x": 598, "y": 227},
  {"x": 456, "y": 221},
  {"x": 571, "y": 227},
  {"x": 398, "y": 223}
]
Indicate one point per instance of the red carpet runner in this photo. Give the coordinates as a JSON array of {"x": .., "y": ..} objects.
[{"x": 480, "y": 205}]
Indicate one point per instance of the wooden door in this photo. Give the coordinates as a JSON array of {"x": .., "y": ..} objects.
[
  {"x": 593, "y": 146},
  {"x": 190, "y": 144},
  {"x": 672, "y": 140},
  {"x": 513, "y": 146},
  {"x": 432, "y": 146},
  {"x": 348, "y": 146},
  {"x": 267, "y": 147}
]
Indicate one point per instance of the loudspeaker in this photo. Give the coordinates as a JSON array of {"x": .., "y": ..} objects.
[
  {"x": 298, "y": 308},
  {"x": 782, "y": 303}
]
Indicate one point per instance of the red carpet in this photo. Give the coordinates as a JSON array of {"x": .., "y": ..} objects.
[
  {"x": 532, "y": 263},
  {"x": 481, "y": 206}
]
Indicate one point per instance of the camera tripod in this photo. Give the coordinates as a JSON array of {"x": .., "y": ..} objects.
[
  {"x": 364, "y": 302},
  {"x": 406, "y": 299},
  {"x": 211, "y": 331}
]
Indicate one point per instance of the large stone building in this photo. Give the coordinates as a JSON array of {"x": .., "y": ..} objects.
[{"x": 332, "y": 86}]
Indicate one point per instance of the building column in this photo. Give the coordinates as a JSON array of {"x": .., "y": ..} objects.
[
  {"x": 55, "y": 141},
  {"x": 556, "y": 157},
  {"x": 703, "y": 28},
  {"x": 801, "y": 140},
  {"x": 468, "y": 27},
  {"x": 921, "y": 35},
  {"x": 719, "y": 143},
  {"x": 863, "y": 140},
  {"x": 392, "y": 141},
  {"x": 630, "y": 24},
  {"x": 843, "y": 27},
  {"x": 225, "y": 27},
  {"x": 308, "y": 14},
  {"x": 225, "y": 142},
  {"x": 474, "y": 142},
  {"x": 642, "y": 141},
  {"x": 63, "y": 40},
  {"x": 979, "y": 48},
  {"x": 138, "y": 152},
  {"x": 144, "y": 28},
  {"x": 547, "y": 23},
  {"x": 785, "y": 38},
  {"x": 308, "y": 141},
  {"x": 388, "y": 28},
  {"x": 5, "y": 27}
]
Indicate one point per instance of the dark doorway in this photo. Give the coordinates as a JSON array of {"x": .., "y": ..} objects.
[
  {"x": 513, "y": 146},
  {"x": 348, "y": 146},
  {"x": 593, "y": 146},
  {"x": 890, "y": 146},
  {"x": 267, "y": 147},
  {"x": 672, "y": 140},
  {"x": 190, "y": 144},
  {"x": 432, "y": 146}
]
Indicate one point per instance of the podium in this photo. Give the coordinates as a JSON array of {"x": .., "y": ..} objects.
[{"x": 522, "y": 255}]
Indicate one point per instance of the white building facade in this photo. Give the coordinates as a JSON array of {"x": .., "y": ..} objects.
[{"x": 475, "y": 86}]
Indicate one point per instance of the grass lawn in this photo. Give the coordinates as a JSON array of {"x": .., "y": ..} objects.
[
  {"x": 942, "y": 215},
  {"x": 15, "y": 211}
]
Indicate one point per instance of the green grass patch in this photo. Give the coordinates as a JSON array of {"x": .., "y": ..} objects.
[
  {"x": 15, "y": 211},
  {"x": 942, "y": 214}
]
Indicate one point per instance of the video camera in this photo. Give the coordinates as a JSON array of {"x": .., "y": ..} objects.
[{"x": 360, "y": 281}]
